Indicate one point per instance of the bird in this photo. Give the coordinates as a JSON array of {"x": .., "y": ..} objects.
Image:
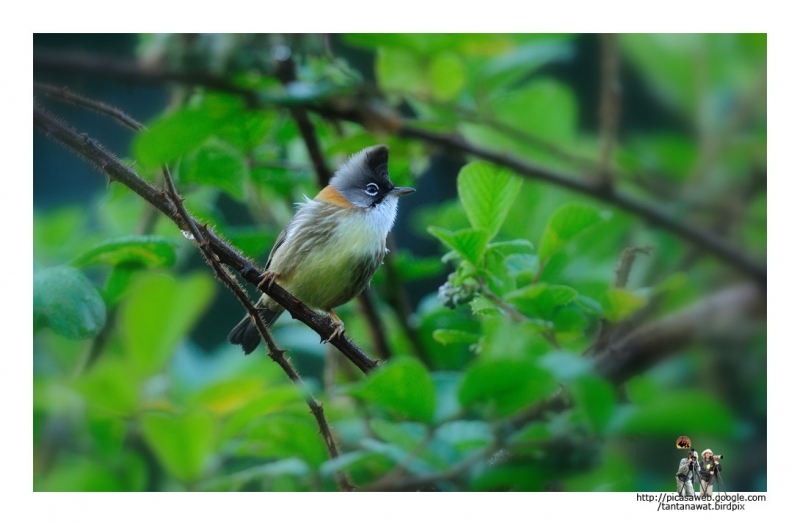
[{"x": 333, "y": 245}]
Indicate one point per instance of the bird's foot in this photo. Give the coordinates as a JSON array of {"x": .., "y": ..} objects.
[
  {"x": 268, "y": 279},
  {"x": 338, "y": 327}
]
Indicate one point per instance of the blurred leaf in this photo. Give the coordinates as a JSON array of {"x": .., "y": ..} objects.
[
  {"x": 541, "y": 300},
  {"x": 595, "y": 399},
  {"x": 446, "y": 385},
  {"x": 182, "y": 444},
  {"x": 470, "y": 244},
  {"x": 158, "y": 312},
  {"x": 402, "y": 385},
  {"x": 447, "y": 337},
  {"x": 77, "y": 474},
  {"x": 111, "y": 386},
  {"x": 118, "y": 280},
  {"x": 671, "y": 155},
  {"x": 217, "y": 164},
  {"x": 446, "y": 73},
  {"x": 186, "y": 129},
  {"x": 408, "y": 437},
  {"x": 506, "y": 385},
  {"x": 399, "y": 71},
  {"x": 531, "y": 435},
  {"x": 507, "y": 68},
  {"x": 669, "y": 64},
  {"x": 567, "y": 222},
  {"x": 685, "y": 412},
  {"x": 465, "y": 436},
  {"x": 487, "y": 194},
  {"x": 544, "y": 108},
  {"x": 229, "y": 396},
  {"x": 276, "y": 399},
  {"x": 286, "y": 436},
  {"x": 66, "y": 301},
  {"x": 410, "y": 268},
  {"x": 641, "y": 390},
  {"x": 566, "y": 366},
  {"x": 363, "y": 466},
  {"x": 149, "y": 250},
  {"x": 619, "y": 303}
]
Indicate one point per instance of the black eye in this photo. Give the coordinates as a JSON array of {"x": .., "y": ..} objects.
[{"x": 372, "y": 189}]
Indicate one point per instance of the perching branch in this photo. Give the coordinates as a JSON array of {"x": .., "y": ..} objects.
[
  {"x": 116, "y": 171},
  {"x": 373, "y": 113},
  {"x": 275, "y": 353}
]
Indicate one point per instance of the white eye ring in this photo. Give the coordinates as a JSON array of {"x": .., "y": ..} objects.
[{"x": 372, "y": 189}]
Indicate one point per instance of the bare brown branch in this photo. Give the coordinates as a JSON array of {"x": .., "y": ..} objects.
[{"x": 275, "y": 353}]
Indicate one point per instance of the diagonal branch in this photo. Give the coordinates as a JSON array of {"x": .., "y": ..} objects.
[
  {"x": 275, "y": 353},
  {"x": 91, "y": 151}
]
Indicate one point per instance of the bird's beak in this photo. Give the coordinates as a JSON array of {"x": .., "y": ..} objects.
[{"x": 400, "y": 191}]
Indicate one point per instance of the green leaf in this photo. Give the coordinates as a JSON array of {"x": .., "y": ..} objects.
[
  {"x": 111, "y": 386},
  {"x": 399, "y": 71},
  {"x": 595, "y": 399},
  {"x": 505, "y": 385},
  {"x": 406, "y": 436},
  {"x": 619, "y": 303},
  {"x": 483, "y": 306},
  {"x": 470, "y": 244},
  {"x": 690, "y": 411},
  {"x": 183, "y": 131},
  {"x": 285, "y": 436},
  {"x": 159, "y": 312},
  {"x": 567, "y": 222},
  {"x": 78, "y": 474},
  {"x": 544, "y": 108},
  {"x": 448, "y": 337},
  {"x": 66, "y": 301},
  {"x": 487, "y": 193},
  {"x": 402, "y": 385},
  {"x": 118, "y": 280},
  {"x": 218, "y": 164},
  {"x": 531, "y": 435},
  {"x": 542, "y": 299},
  {"x": 182, "y": 444},
  {"x": 147, "y": 250},
  {"x": 521, "y": 265},
  {"x": 231, "y": 395},
  {"x": 668, "y": 63},
  {"x": 566, "y": 366},
  {"x": 447, "y": 76}
]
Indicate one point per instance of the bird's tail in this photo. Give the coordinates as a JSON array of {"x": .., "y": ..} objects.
[{"x": 246, "y": 334}]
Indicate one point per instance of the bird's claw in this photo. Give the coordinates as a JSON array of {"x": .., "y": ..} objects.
[{"x": 268, "y": 279}]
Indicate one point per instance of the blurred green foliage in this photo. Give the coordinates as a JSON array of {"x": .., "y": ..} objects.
[{"x": 125, "y": 399}]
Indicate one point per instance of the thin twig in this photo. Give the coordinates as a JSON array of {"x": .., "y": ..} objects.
[
  {"x": 116, "y": 171},
  {"x": 609, "y": 104},
  {"x": 625, "y": 263},
  {"x": 275, "y": 353},
  {"x": 65, "y": 95}
]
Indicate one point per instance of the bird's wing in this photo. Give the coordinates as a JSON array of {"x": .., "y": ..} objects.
[{"x": 279, "y": 242}]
